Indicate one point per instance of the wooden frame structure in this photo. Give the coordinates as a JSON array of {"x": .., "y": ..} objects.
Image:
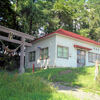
[
  {"x": 96, "y": 69},
  {"x": 23, "y": 38}
]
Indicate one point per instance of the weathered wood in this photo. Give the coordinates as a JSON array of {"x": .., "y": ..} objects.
[
  {"x": 21, "y": 69},
  {"x": 96, "y": 69},
  {"x": 14, "y": 41},
  {"x": 17, "y": 33},
  {"x": 23, "y": 37}
]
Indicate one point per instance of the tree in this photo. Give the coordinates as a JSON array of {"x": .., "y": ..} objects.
[
  {"x": 36, "y": 16},
  {"x": 94, "y": 19},
  {"x": 31, "y": 15},
  {"x": 64, "y": 12},
  {"x": 7, "y": 14}
]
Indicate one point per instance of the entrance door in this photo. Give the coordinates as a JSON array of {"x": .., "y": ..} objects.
[{"x": 80, "y": 58}]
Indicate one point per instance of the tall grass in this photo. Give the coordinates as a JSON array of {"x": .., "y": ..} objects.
[
  {"x": 27, "y": 87},
  {"x": 82, "y": 77}
]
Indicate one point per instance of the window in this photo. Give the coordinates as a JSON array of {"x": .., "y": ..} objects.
[
  {"x": 92, "y": 57},
  {"x": 62, "y": 52},
  {"x": 32, "y": 56},
  {"x": 44, "y": 53},
  {"x": 98, "y": 56}
]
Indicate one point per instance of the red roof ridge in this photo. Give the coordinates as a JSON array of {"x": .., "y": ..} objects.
[
  {"x": 77, "y": 36},
  {"x": 70, "y": 34}
]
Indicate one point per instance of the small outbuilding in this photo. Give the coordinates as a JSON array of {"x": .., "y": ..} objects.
[{"x": 62, "y": 49}]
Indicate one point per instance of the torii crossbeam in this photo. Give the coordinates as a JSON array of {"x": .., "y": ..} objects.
[{"x": 23, "y": 37}]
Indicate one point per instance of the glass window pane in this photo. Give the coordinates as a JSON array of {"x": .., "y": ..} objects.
[
  {"x": 41, "y": 53},
  {"x": 42, "y": 56},
  {"x": 60, "y": 51},
  {"x": 65, "y": 52},
  {"x": 32, "y": 56},
  {"x": 44, "y": 53},
  {"x": 90, "y": 57},
  {"x": 94, "y": 57},
  {"x": 99, "y": 57},
  {"x": 78, "y": 52},
  {"x": 82, "y": 53},
  {"x": 59, "y": 54}
]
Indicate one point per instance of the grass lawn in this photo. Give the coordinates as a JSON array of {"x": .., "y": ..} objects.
[
  {"x": 29, "y": 87},
  {"x": 82, "y": 77}
]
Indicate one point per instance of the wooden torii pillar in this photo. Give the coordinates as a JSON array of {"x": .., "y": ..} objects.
[
  {"x": 23, "y": 37},
  {"x": 22, "y": 70}
]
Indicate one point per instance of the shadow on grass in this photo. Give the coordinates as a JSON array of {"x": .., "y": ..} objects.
[
  {"x": 69, "y": 79},
  {"x": 60, "y": 86}
]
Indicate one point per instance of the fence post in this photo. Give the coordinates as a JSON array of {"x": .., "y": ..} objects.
[
  {"x": 96, "y": 69},
  {"x": 33, "y": 67}
]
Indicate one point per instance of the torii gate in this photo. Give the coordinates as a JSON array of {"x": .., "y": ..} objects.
[{"x": 23, "y": 37}]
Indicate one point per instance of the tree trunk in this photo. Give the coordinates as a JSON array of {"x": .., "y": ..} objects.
[{"x": 30, "y": 26}]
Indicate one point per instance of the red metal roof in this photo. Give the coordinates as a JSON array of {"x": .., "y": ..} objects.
[
  {"x": 78, "y": 46},
  {"x": 71, "y": 34}
]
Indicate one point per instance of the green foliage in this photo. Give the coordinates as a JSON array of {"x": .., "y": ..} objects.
[
  {"x": 7, "y": 14},
  {"x": 94, "y": 19},
  {"x": 45, "y": 16},
  {"x": 28, "y": 87},
  {"x": 64, "y": 11},
  {"x": 9, "y": 62},
  {"x": 73, "y": 15},
  {"x": 84, "y": 32}
]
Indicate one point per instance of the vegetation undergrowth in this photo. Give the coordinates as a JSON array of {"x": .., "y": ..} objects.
[
  {"x": 82, "y": 77},
  {"x": 28, "y": 87}
]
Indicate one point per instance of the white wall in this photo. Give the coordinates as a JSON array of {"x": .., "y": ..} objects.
[
  {"x": 52, "y": 42},
  {"x": 48, "y": 42},
  {"x": 70, "y": 42}
]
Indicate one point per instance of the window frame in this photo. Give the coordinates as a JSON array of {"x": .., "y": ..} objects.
[
  {"x": 33, "y": 58},
  {"x": 63, "y": 52},
  {"x": 98, "y": 56},
  {"x": 92, "y": 57},
  {"x": 44, "y": 53}
]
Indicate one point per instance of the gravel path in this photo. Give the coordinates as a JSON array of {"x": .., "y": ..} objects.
[{"x": 76, "y": 92}]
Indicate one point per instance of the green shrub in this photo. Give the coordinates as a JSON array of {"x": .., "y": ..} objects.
[{"x": 9, "y": 62}]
